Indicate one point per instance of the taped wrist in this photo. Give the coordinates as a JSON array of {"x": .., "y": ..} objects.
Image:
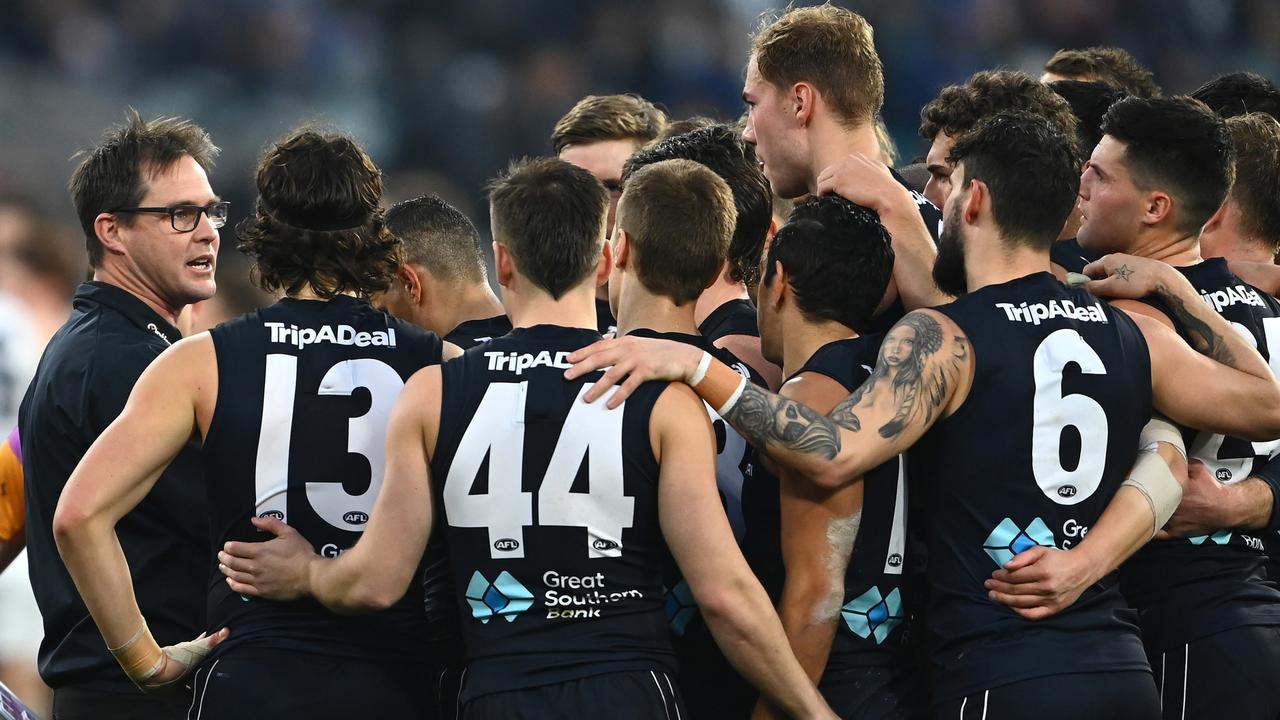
[
  {"x": 1151, "y": 477},
  {"x": 140, "y": 656},
  {"x": 1160, "y": 430}
]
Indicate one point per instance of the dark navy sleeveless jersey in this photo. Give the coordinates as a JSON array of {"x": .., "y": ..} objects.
[
  {"x": 550, "y": 513},
  {"x": 1049, "y": 430},
  {"x": 1069, "y": 255},
  {"x": 1188, "y": 588},
  {"x": 709, "y": 684},
  {"x": 474, "y": 332},
  {"x": 875, "y": 611},
  {"x": 932, "y": 218},
  {"x": 305, "y": 389},
  {"x": 736, "y": 317}
]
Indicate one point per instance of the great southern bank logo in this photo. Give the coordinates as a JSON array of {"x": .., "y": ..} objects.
[
  {"x": 1008, "y": 539},
  {"x": 872, "y": 615},
  {"x": 504, "y": 597}
]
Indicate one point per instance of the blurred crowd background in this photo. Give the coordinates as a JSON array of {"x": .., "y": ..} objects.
[{"x": 444, "y": 94}]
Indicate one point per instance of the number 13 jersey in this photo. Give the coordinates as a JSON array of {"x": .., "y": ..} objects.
[
  {"x": 1049, "y": 429},
  {"x": 550, "y": 507},
  {"x": 305, "y": 389}
]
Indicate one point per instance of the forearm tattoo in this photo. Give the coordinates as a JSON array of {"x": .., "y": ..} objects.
[
  {"x": 1199, "y": 333},
  {"x": 767, "y": 420}
]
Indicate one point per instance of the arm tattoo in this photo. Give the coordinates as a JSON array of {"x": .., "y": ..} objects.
[
  {"x": 766, "y": 419},
  {"x": 919, "y": 380},
  {"x": 1201, "y": 336}
]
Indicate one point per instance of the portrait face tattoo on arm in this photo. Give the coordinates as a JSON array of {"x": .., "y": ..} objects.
[
  {"x": 918, "y": 386},
  {"x": 920, "y": 375}
]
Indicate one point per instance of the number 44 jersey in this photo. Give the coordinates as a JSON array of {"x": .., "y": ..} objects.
[
  {"x": 550, "y": 507},
  {"x": 1049, "y": 429},
  {"x": 305, "y": 389}
]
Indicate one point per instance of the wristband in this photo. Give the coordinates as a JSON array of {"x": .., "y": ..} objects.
[
  {"x": 733, "y": 399},
  {"x": 140, "y": 657},
  {"x": 700, "y": 372}
]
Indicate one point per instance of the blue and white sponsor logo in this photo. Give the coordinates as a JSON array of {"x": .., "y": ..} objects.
[
  {"x": 680, "y": 607},
  {"x": 1008, "y": 540},
  {"x": 1222, "y": 537},
  {"x": 874, "y": 616},
  {"x": 504, "y": 597}
]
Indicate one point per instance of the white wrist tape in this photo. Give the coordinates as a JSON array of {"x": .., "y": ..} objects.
[
  {"x": 700, "y": 372},
  {"x": 733, "y": 399},
  {"x": 1160, "y": 430},
  {"x": 1151, "y": 477}
]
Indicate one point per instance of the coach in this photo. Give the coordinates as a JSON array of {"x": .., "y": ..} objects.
[{"x": 150, "y": 221}]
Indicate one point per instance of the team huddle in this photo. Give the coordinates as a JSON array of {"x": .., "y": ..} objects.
[{"x": 759, "y": 426}]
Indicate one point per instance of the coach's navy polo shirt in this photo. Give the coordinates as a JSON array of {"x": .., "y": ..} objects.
[{"x": 81, "y": 385}]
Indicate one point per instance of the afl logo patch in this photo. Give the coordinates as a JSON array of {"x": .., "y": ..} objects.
[
  {"x": 602, "y": 544},
  {"x": 506, "y": 544},
  {"x": 278, "y": 515},
  {"x": 1067, "y": 491},
  {"x": 355, "y": 517}
]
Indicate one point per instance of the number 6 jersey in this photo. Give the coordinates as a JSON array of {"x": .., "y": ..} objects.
[
  {"x": 550, "y": 507},
  {"x": 305, "y": 389},
  {"x": 1049, "y": 429}
]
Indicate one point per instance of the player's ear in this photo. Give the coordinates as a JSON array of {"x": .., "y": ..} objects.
[
  {"x": 1217, "y": 219},
  {"x": 1159, "y": 207},
  {"x": 408, "y": 277},
  {"x": 503, "y": 265},
  {"x": 779, "y": 288},
  {"x": 804, "y": 98},
  {"x": 978, "y": 196},
  {"x": 605, "y": 265},
  {"x": 621, "y": 248}
]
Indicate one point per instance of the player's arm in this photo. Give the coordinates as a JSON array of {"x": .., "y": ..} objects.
[
  {"x": 377, "y": 570},
  {"x": 736, "y": 608},
  {"x": 818, "y": 531},
  {"x": 747, "y": 349},
  {"x": 884, "y": 417},
  {"x": 1041, "y": 581},
  {"x": 867, "y": 182},
  {"x": 1208, "y": 505},
  {"x": 1234, "y": 393},
  {"x": 116, "y": 473}
]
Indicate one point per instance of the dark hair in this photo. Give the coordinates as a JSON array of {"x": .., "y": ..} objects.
[
  {"x": 437, "y": 236},
  {"x": 679, "y": 216},
  {"x": 550, "y": 215},
  {"x": 1031, "y": 170},
  {"x": 317, "y": 220},
  {"x": 685, "y": 125},
  {"x": 959, "y": 107},
  {"x": 838, "y": 259},
  {"x": 830, "y": 47},
  {"x": 596, "y": 118},
  {"x": 1111, "y": 65},
  {"x": 1238, "y": 93},
  {"x": 1178, "y": 145},
  {"x": 1089, "y": 102},
  {"x": 1255, "y": 138},
  {"x": 720, "y": 148},
  {"x": 115, "y": 173}
]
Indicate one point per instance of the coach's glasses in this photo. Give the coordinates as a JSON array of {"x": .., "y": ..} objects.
[{"x": 185, "y": 218}]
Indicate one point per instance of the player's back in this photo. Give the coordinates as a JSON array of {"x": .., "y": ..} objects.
[
  {"x": 1188, "y": 588},
  {"x": 305, "y": 389},
  {"x": 874, "y": 606},
  {"x": 550, "y": 507},
  {"x": 1049, "y": 429}
]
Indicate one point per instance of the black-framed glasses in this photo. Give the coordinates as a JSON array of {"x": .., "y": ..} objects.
[{"x": 185, "y": 218}]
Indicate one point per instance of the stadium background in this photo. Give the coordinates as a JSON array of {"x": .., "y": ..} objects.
[{"x": 443, "y": 94}]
